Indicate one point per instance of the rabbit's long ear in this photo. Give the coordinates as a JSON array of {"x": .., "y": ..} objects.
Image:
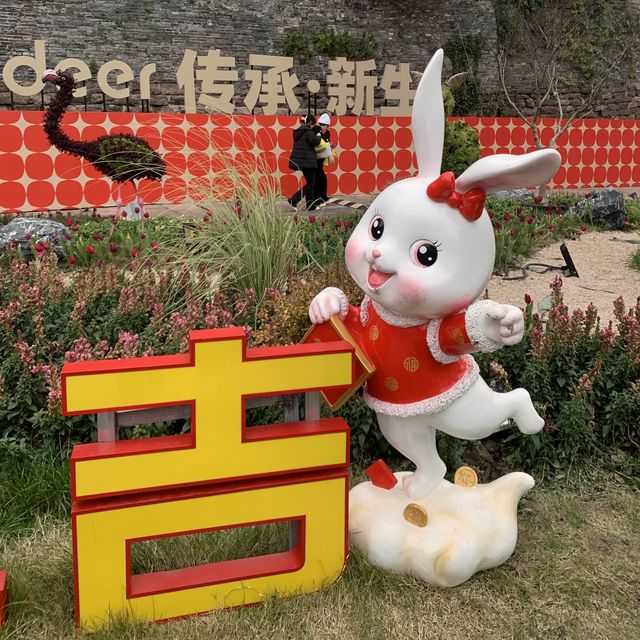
[
  {"x": 506, "y": 171},
  {"x": 427, "y": 119}
]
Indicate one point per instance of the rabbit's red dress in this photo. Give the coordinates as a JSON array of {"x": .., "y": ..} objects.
[{"x": 420, "y": 367}]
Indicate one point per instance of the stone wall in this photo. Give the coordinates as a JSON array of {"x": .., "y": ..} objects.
[{"x": 142, "y": 31}]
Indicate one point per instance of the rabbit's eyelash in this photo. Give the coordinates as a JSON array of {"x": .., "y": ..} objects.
[{"x": 437, "y": 244}]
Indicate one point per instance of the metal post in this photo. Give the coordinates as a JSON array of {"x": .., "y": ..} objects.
[
  {"x": 312, "y": 405},
  {"x": 107, "y": 427},
  {"x": 291, "y": 408}
]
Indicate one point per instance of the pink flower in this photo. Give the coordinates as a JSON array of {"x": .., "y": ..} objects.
[
  {"x": 145, "y": 215},
  {"x": 72, "y": 259},
  {"x": 124, "y": 213},
  {"x": 134, "y": 252},
  {"x": 154, "y": 246},
  {"x": 537, "y": 199},
  {"x": 527, "y": 298},
  {"x": 312, "y": 219},
  {"x": 68, "y": 221},
  {"x": 507, "y": 217},
  {"x": 512, "y": 233},
  {"x": 113, "y": 247},
  {"x": 296, "y": 218},
  {"x": 91, "y": 249}
]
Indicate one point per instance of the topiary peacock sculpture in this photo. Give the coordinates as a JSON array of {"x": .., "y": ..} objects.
[{"x": 122, "y": 157}]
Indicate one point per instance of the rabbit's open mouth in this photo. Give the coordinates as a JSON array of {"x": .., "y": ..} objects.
[{"x": 377, "y": 278}]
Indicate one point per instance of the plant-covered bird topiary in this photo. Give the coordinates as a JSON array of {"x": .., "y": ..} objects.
[{"x": 122, "y": 157}]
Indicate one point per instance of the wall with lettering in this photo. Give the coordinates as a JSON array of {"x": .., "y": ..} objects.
[
  {"x": 373, "y": 152},
  {"x": 167, "y": 34}
]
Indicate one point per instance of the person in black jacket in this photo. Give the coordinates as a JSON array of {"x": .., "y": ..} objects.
[
  {"x": 303, "y": 158},
  {"x": 321, "y": 157}
]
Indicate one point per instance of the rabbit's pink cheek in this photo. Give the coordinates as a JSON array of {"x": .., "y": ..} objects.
[
  {"x": 413, "y": 290},
  {"x": 352, "y": 251}
]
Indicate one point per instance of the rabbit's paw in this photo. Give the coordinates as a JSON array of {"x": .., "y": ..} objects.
[
  {"x": 492, "y": 325},
  {"x": 329, "y": 302}
]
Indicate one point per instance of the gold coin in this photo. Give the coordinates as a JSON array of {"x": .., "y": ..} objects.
[
  {"x": 374, "y": 332},
  {"x": 415, "y": 514},
  {"x": 391, "y": 384},
  {"x": 411, "y": 364},
  {"x": 465, "y": 477},
  {"x": 458, "y": 336}
]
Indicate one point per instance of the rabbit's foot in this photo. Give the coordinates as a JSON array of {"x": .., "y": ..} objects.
[
  {"x": 418, "y": 485},
  {"x": 526, "y": 417}
]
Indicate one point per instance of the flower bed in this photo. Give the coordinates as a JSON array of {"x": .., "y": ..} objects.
[{"x": 138, "y": 288}]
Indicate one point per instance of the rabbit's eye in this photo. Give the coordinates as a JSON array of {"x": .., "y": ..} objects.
[
  {"x": 425, "y": 253},
  {"x": 377, "y": 228}
]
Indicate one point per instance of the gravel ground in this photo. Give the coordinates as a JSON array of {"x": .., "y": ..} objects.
[{"x": 602, "y": 263}]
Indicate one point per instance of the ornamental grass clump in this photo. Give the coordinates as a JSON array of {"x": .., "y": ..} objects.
[{"x": 245, "y": 241}]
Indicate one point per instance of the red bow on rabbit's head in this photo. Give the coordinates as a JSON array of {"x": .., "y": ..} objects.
[{"x": 470, "y": 204}]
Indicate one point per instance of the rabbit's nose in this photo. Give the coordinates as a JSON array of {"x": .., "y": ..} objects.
[{"x": 376, "y": 253}]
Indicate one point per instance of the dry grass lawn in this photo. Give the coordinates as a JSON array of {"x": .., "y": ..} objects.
[{"x": 575, "y": 574}]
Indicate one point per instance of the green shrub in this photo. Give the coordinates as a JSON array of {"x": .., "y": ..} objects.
[
  {"x": 584, "y": 379},
  {"x": 632, "y": 212},
  {"x": 302, "y": 43},
  {"x": 461, "y": 146}
]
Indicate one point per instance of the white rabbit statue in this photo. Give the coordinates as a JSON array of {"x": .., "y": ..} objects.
[{"x": 422, "y": 254}]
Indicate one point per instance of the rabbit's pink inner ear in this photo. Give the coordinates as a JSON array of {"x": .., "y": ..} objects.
[{"x": 427, "y": 119}]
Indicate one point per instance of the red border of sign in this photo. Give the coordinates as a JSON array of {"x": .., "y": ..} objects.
[
  {"x": 147, "y": 584},
  {"x": 174, "y": 495},
  {"x": 3, "y": 598},
  {"x": 188, "y": 441}
]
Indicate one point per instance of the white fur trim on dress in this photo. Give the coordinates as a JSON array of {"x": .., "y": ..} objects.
[
  {"x": 344, "y": 301},
  {"x": 430, "y": 405},
  {"x": 473, "y": 325},
  {"x": 395, "y": 319},
  {"x": 364, "y": 310},
  {"x": 433, "y": 342}
]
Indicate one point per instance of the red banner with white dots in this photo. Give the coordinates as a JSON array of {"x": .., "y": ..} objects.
[{"x": 199, "y": 149}]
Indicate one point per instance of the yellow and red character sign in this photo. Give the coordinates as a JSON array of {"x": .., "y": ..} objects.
[{"x": 221, "y": 475}]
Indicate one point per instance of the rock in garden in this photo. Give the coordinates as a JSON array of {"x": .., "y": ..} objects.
[
  {"x": 604, "y": 207},
  {"x": 27, "y": 231}
]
